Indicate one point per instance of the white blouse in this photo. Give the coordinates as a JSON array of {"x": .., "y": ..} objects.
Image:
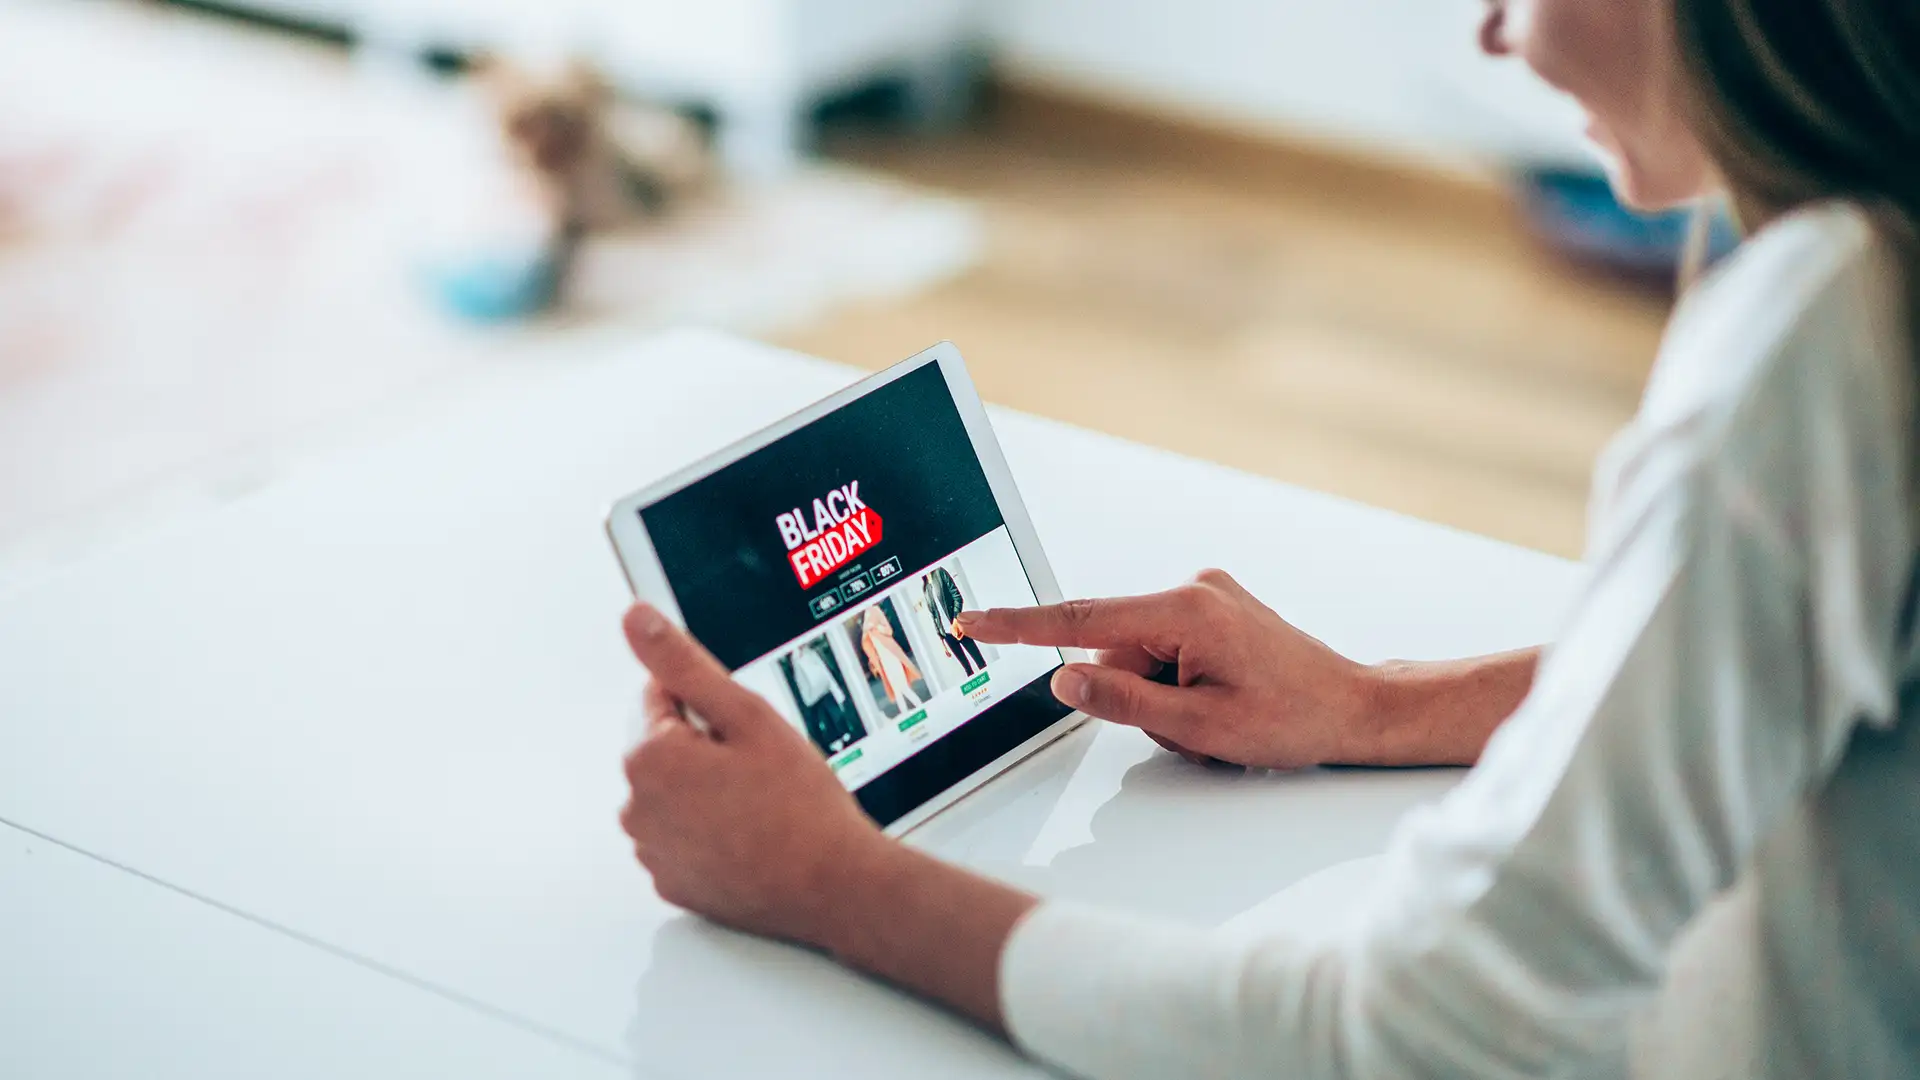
[{"x": 1724, "y": 710}]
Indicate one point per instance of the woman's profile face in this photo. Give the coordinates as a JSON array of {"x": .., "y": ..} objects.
[{"x": 1617, "y": 58}]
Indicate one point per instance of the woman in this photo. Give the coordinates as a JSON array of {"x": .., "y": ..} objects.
[
  {"x": 888, "y": 661},
  {"x": 1725, "y": 714}
]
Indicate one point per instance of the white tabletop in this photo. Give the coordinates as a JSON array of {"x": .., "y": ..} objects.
[
  {"x": 120, "y": 977},
  {"x": 382, "y": 703}
]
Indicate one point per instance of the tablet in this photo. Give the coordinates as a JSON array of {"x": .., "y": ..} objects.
[{"x": 823, "y": 560}]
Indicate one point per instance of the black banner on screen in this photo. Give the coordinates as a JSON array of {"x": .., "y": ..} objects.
[{"x": 771, "y": 546}]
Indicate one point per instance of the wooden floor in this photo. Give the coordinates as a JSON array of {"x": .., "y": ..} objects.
[{"x": 1382, "y": 334}]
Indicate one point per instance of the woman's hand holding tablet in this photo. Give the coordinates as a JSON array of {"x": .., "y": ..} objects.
[
  {"x": 747, "y": 826},
  {"x": 743, "y": 823}
]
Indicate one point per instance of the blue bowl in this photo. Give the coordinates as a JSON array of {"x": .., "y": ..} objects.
[
  {"x": 1576, "y": 213},
  {"x": 498, "y": 289}
]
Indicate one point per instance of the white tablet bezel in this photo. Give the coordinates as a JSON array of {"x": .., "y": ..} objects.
[{"x": 648, "y": 579}]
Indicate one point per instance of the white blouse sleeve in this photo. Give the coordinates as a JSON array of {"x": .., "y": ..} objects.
[{"x": 1709, "y": 678}]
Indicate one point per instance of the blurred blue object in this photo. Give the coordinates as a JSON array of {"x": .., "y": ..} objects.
[
  {"x": 1576, "y": 213},
  {"x": 497, "y": 289}
]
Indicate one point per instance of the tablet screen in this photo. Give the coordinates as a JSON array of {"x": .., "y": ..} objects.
[{"x": 825, "y": 570}]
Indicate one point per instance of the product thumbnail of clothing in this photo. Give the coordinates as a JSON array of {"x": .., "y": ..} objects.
[
  {"x": 888, "y": 661},
  {"x": 826, "y": 708},
  {"x": 944, "y": 604}
]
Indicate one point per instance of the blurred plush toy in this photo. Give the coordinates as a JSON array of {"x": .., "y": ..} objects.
[
  {"x": 601, "y": 163},
  {"x": 577, "y": 162}
]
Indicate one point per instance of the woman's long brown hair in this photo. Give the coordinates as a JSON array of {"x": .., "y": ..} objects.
[{"x": 1802, "y": 101}]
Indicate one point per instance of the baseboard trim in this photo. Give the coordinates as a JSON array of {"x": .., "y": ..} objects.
[
  {"x": 312, "y": 29},
  {"x": 1096, "y": 116}
]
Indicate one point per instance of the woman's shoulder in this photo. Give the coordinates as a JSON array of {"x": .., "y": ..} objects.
[
  {"x": 1813, "y": 296},
  {"x": 1795, "y": 342},
  {"x": 1804, "y": 252}
]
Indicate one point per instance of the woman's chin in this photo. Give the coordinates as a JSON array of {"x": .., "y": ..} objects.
[
  {"x": 1632, "y": 194},
  {"x": 1634, "y": 188},
  {"x": 1638, "y": 194}
]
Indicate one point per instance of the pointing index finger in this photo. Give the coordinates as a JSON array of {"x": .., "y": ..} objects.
[{"x": 1086, "y": 624}]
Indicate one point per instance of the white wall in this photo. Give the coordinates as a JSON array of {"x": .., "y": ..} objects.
[
  {"x": 1403, "y": 77},
  {"x": 1396, "y": 76}
]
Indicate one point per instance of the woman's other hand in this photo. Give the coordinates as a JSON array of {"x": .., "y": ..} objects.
[
  {"x": 1253, "y": 690},
  {"x": 744, "y": 824}
]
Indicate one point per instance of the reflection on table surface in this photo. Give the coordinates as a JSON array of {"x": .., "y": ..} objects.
[{"x": 1103, "y": 816}]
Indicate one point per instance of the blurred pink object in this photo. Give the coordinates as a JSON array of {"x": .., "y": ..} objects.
[
  {"x": 205, "y": 244},
  {"x": 217, "y": 252}
]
